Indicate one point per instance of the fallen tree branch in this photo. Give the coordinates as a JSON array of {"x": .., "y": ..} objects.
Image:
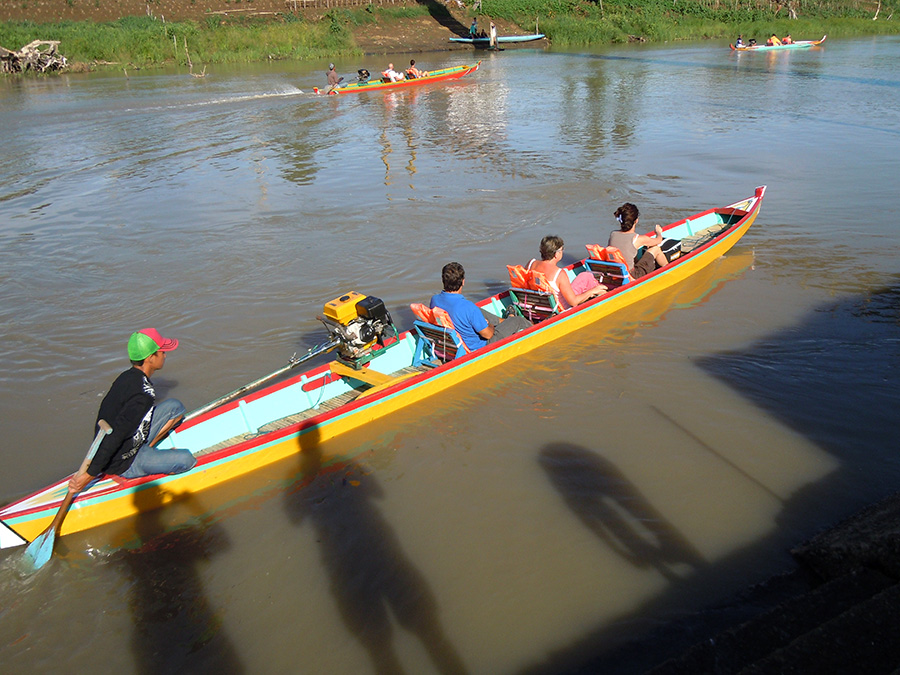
[
  {"x": 190, "y": 63},
  {"x": 39, "y": 56}
]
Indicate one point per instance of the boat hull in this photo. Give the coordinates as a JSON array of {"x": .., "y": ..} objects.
[
  {"x": 442, "y": 75},
  {"x": 241, "y": 436},
  {"x": 505, "y": 39}
]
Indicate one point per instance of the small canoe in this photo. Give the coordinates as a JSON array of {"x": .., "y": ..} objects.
[
  {"x": 800, "y": 44},
  {"x": 442, "y": 75},
  {"x": 504, "y": 39},
  {"x": 370, "y": 379}
]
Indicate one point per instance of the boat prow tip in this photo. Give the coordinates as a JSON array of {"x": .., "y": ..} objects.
[{"x": 9, "y": 538}]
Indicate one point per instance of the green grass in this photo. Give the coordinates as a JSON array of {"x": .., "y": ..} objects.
[
  {"x": 146, "y": 41},
  {"x": 573, "y": 23}
]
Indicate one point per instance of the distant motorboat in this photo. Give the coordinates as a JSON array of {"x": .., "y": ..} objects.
[{"x": 800, "y": 44}]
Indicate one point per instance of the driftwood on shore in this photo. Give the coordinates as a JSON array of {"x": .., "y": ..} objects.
[{"x": 39, "y": 56}]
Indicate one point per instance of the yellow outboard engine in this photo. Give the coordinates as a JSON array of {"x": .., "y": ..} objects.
[{"x": 359, "y": 324}]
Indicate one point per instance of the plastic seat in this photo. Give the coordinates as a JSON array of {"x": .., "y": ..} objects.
[{"x": 437, "y": 340}]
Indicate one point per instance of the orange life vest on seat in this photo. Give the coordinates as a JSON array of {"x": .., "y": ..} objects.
[
  {"x": 607, "y": 253},
  {"x": 518, "y": 276},
  {"x": 531, "y": 280},
  {"x": 422, "y": 312},
  {"x": 435, "y": 316}
]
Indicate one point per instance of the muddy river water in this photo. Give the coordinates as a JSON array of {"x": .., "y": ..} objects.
[{"x": 553, "y": 509}]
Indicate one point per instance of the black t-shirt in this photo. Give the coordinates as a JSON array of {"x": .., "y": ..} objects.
[{"x": 128, "y": 408}]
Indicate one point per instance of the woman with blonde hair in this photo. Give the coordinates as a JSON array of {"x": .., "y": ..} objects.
[{"x": 568, "y": 294}]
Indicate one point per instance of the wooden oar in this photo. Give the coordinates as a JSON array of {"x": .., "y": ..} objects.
[{"x": 39, "y": 551}]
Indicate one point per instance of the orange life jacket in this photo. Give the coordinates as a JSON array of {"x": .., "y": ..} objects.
[
  {"x": 435, "y": 316},
  {"x": 422, "y": 312},
  {"x": 607, "y": 253},
  {"x": 519, "y": 277}
]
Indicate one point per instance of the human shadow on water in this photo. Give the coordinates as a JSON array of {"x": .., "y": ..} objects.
[
  {"x": 834, "y": 379},
  {"x": 612, "y": 508},
  {"x": 372, "y": 580},
  {"x": 176, "y": 629}
]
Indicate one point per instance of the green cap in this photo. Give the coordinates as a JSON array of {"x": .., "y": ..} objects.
[
  {"x": 140, "y": 346},
  {"x": 148, "y": 341}
]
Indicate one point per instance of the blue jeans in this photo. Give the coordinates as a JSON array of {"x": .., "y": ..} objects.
[{"x": 148, "y": 460}]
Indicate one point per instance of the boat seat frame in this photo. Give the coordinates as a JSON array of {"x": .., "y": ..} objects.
[
  {"x": 610, "y": 274},
  {"x": 533, "y": 305},
  {"x": 436, "y": 344}
]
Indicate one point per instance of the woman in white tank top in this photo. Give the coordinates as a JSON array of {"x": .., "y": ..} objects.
[{"x": 582, "y": 287}]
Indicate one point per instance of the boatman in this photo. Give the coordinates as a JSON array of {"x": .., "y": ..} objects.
[
  {"x": 138, "y": 423},
  {"x": 333, "y": 79},
  {"x": 473, "y": 29},
  {"x": 469, "y": 321}
]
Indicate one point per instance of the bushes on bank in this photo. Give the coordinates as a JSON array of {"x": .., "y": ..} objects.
[{"x": 148, "y": 41}]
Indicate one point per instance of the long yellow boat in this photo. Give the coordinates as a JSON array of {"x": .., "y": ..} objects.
[{"x": 377, "y": 371}]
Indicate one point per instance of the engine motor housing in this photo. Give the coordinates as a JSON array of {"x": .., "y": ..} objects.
[{"x": 358, "y": 324}]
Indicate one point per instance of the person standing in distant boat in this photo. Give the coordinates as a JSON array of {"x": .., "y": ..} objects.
[
  {"x": 473, "y": 29},
  {"x": 138, "y": 422},
  {"x": 628, "y": 241},
  {"x": 493, "y": 35}
]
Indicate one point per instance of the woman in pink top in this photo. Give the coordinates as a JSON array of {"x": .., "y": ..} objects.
[{"x": 568, "y": 294}]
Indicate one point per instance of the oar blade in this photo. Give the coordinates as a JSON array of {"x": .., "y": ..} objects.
[{"x": 38, "y": 552}]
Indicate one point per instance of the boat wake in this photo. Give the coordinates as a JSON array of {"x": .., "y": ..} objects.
[{"x": 237, "y": 98}]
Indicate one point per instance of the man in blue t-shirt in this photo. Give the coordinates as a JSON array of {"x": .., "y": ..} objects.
[{"x": 470, "y": 321}]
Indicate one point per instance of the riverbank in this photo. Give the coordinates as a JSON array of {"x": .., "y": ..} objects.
[
  {"x": 128, "y": 33},
  {"x": 836, "y": 612}
]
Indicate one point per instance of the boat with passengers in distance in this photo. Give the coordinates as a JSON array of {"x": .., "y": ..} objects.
[
  {"x": 376, "y": 371},
  {"x": 799, "y": 44},
  {"x": 442, "y": 75}
]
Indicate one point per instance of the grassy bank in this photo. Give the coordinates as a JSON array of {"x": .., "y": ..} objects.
[
  {"x": 569, "y": 23},
  {"x": 148, "y": 41}
]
